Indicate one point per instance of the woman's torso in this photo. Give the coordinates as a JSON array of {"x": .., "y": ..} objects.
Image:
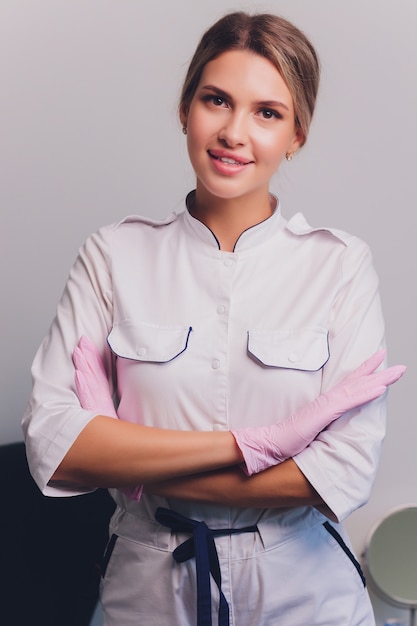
[{"x": 213, "y": 340}]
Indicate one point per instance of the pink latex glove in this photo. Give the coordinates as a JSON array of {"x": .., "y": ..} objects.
[
  {"x": 93, "y": 390},
  {"x": 265, "y": 446},
  {"x": 91, "y": 382}
]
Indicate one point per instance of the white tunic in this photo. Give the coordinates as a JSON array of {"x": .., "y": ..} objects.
[{"x": 205, "y": 339}]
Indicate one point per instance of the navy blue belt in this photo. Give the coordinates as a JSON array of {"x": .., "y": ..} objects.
[{"x": 201, "y": 546}]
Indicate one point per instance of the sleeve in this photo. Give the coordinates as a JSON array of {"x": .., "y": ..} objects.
[
  {"x": 341, "y": 463},
  {"x": 53, "y": 417}
]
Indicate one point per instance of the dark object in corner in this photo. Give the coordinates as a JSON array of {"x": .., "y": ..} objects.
[{"x": 50, "y": 548}]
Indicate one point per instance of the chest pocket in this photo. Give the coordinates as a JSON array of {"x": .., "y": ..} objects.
[
  {"x": 148, "y": 342},
  {"x": 301, "y": 348}
]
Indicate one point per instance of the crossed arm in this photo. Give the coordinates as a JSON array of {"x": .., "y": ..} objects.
[
  {"x": 283, "y": 485},
  {"x": 186, "y": 465},
  {"x": 202, "y": 466},
  {"x": 111, "y": 448}
]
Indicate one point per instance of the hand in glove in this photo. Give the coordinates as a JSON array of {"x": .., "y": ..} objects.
[
  {"x": 93, "y": 390},
  {"x": 91, "y": 382},
  {"x": 265, "y": 446}
]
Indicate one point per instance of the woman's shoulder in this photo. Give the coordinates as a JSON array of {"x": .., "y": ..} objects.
[
  {"x": 142, "y": 220},
  {"x": 125, "y": 229},
  {"x": 298, "y": 225},
  {"x": 350, "y": 251}
]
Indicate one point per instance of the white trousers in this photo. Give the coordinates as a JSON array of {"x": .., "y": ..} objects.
[{"x": 305, "y": 579}]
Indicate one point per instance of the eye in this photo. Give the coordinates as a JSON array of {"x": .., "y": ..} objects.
[
  {"x": 215, "y": 100},
  {"x": 269, "y": 114}
]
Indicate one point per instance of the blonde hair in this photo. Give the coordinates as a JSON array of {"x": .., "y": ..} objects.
[{"x": 271, "y": 37}]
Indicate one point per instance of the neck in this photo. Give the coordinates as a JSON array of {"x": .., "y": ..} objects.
[{"x": 229, "y": 218}]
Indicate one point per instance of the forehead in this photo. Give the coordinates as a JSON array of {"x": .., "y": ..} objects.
[{"x": 245, "y": 72}]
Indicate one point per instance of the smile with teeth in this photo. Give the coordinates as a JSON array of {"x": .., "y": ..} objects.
[{"x": 228, "y": 160}]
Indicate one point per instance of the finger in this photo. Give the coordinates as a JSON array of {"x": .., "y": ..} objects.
[
  {"x": 90, "y": 351},
  {"x": 85, "y": 344},
  {"x": 87, "y": 357},
  {"x": 76, "y": 356},
  {"x": 391, "y": 374},
  {"x": 81, "y": 348},
  {"x": 370, "y": 365},
  {"x": 372, "y": 393},
  {"x": 366, "y": 384},
  {"x": 83, "y": 391},
  {"x": 82, "y": 362},
  {"x": 79, "y": 359}
]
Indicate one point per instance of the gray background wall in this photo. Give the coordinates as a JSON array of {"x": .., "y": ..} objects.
[{"x": 89, "y": 133}]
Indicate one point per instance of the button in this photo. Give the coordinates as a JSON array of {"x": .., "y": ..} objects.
[
  {"x": 215, "y": 364},
  {"x": 221, "y": 309},
  {"x": 293, "y": 357},
  {"x": 141, "y": 351},
  {"x": 228, "y": 262},
  {"x": 219, "y": 427}
]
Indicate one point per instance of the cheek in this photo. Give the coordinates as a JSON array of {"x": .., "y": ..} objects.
[
  {"x": 195, "y": 141},
  {"x": 273, "y": 152},
  {"x": 273, "y": 147},
  {"x": 200, "y": 136},
  {"x": 197, "y": 130},
  {"x": 204, "y": 125}
]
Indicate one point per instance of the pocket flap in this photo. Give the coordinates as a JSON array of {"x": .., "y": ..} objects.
[
  {"x": 148, "y": 342},
  {"x": 301, "y": 348}
]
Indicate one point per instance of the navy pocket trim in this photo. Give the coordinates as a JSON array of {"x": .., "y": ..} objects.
[
  {"x": 330, "y": 529},
  {"x": 107, "y": 554}
]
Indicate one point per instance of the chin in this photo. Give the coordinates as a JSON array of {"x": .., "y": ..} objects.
[{"x": 225, "y": 190}]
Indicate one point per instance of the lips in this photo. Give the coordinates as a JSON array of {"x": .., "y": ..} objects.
[{"x": 228, "y": 159}]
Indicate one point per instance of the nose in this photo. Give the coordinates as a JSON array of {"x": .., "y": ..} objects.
[{"x": 234, "y": 131}]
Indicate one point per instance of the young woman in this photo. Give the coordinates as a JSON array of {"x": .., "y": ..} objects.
[{"x": 232, "y": 341}]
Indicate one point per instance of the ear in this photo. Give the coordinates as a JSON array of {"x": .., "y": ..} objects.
[
  {"x": 183, "y": 113},
  {"x": 297, "y": 141}
]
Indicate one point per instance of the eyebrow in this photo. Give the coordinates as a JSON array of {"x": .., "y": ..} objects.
[{"x": 265, "y": 103}]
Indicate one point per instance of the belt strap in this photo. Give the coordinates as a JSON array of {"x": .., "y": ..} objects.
[{"x": 201, "y": 546}]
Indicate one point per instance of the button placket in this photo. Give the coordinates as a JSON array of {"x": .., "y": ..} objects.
[{"x": 220, "y": 343}]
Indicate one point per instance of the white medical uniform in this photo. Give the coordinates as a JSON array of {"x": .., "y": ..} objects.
[{"x": 205, "y": 339}]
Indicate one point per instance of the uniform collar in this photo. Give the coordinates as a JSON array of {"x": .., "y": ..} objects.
[
  {"x": 251, "y": 237},
  {"x": 298, "y": 225}
]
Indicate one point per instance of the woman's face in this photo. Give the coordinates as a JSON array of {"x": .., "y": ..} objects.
[{"x": 240, "y": 124}]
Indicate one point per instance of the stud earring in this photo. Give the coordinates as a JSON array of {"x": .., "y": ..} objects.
[
  {"x": 184, "y": 130},
  {"x": 289, "y": 156}
]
